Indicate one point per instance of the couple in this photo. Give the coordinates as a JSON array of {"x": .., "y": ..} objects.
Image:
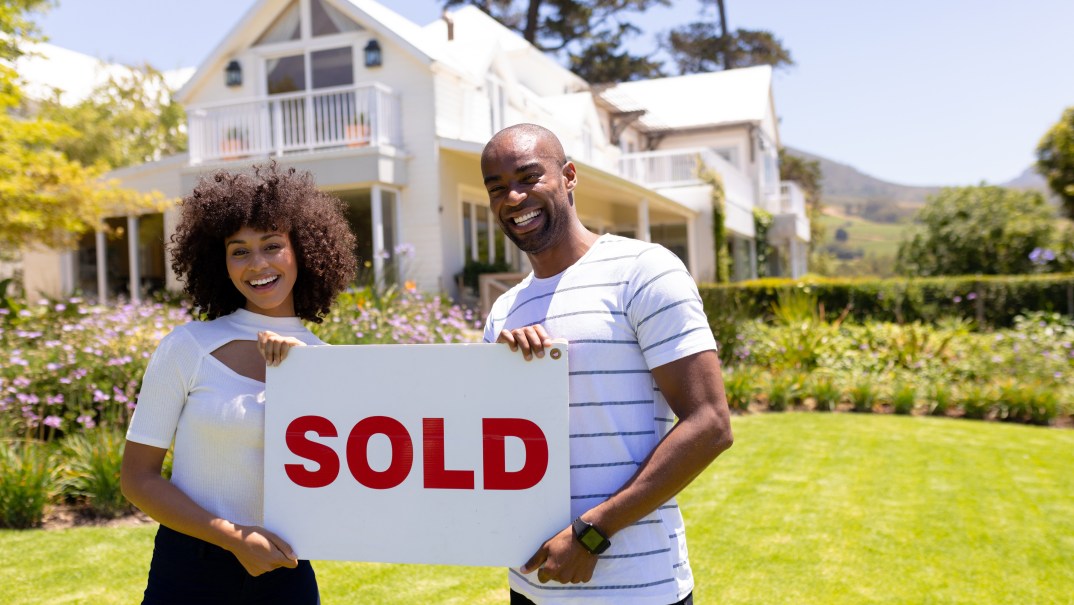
[{"x": 641, "y": 354}]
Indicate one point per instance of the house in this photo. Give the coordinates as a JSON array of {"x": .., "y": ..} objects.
[{"x": 391, "y": 117}]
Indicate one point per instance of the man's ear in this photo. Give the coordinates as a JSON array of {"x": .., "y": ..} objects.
[{"x": 570, "y": 174}]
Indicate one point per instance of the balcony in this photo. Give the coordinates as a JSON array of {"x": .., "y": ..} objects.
[
  {"x": 328, "y": 118},
  {"x": 789, "y": 213}
]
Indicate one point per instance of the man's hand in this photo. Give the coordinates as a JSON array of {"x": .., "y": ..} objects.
[
  {"x": 274, "y": 347},
  {"x": 562, "y": 559},
  {"x": 531, "y": 340}
]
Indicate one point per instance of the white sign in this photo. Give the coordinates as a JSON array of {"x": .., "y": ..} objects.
[{"x": 444, "y": 454}]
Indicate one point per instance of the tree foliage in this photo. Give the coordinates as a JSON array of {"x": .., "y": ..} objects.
[
  {"x": 983, "y": 229},
  {"x": 130, "y": 119},
  {"x": 46, "y": 198},
  {"x": 1055, "y": 159},
  {"x": 592, "y": 34},
  {"x": 699, "y": 47}
]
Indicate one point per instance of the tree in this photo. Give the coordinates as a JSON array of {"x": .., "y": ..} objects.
[
  {"x": 708, "y": 45},
  {"x": 130, "y": 119},
  {"x": 984, "y": 229},
  {"x": 591, "y": 33},
  {"x": 1055, "y": 159},
  {"x": 45, "y": 197}
]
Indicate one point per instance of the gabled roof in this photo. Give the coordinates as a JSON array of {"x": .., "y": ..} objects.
[
  {"x": 697, "y": 100},
  {"x": 379, "y": 19}
]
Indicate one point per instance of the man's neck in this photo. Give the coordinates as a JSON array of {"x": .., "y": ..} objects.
[{"x": 558, "y": 258}]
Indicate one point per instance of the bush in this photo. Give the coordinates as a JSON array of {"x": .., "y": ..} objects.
[
  {"x": 90, "y": 473},
  {"x": 825, "y": 391},
  {"x": 26, "y": 483},
  {"x": 740, "y": 384},
  {"x": 993, "y": 301},
  {"x": 903, "y": 398}
]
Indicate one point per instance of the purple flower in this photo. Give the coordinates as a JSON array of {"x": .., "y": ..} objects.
[
  {"x": 53, "y": 421},
  {"x": 86, "y": 421},
  {"x": 957, "y": 299},
  {"x": 971, "y": 296}
]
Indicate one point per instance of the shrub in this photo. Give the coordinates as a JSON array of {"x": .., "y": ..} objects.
[
  {"x": 783, "y": 390},
  {"x": 903, "y": 398},
  {"x": 26, "y": 480},
  {"x": 863, "y": 393},
  {"x": 90, "y": 473},
  {"x": 939, "y": 397},
  {"x": 740, "y": 384},
  {"x": 976, "y": 400},
  {"x": 825, "y": 391}
]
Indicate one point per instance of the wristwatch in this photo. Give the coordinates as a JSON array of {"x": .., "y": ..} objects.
[{"x": 590, "y": 537}]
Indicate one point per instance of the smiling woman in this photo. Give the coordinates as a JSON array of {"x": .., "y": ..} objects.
[{"x": 256, "y": 253}]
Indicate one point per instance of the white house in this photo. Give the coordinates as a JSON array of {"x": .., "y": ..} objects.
[{"x": 391, "y": 117}]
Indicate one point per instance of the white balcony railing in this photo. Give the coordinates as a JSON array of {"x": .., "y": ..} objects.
[
  {"x": 679, "y": 168},
  {"x": 347, "y": 116}
]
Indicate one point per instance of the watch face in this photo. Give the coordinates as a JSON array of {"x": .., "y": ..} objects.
[{"x": 591, "y": 539}]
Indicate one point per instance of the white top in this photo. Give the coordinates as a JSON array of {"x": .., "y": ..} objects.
[
  {"x": 625, "y": 307},
  {"x": 215, "y": 415}
]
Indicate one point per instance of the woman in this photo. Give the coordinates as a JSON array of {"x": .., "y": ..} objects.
[{"x": 258, "y": 254}]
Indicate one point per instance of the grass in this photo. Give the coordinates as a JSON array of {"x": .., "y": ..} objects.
[
  {"x": 805, "y": 508},
  {"x": 881, "y": 239}
]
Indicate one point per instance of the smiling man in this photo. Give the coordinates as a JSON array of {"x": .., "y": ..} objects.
[{"x": 641, "y": 354}]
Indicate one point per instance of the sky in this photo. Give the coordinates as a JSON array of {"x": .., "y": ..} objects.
[{"x": 917, "y": 92}]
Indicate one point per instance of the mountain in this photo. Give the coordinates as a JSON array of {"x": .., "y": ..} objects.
[
  {"x": 852, "y": 192},
  {"x": 844, "y": 184}
]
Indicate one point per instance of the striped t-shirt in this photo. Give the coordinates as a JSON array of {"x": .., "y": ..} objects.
[{"x": 625, "y": 307}]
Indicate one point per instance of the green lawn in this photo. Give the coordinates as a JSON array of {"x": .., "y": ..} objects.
[
  {"x": 881, "y": 239},
  {"x": 805, "y": 508}
]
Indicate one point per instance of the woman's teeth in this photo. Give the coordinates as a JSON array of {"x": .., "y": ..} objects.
[{"x": 263, "y": 281}]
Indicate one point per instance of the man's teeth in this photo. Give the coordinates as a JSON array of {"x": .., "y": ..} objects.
[
  {"x": 526, "y": 217},
  {"x": 263, "y": 281}
]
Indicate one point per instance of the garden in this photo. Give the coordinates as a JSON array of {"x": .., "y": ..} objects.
[{"x": 919, "y": 459}]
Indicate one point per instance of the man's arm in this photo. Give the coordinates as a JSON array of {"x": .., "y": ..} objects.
[{"x": 693, "y": 388}]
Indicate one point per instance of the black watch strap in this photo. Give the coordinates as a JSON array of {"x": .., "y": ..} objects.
[{"x": 590, "y": 537}]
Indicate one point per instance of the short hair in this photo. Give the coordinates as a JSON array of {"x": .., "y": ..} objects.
[{"x": 270, "y": 199}]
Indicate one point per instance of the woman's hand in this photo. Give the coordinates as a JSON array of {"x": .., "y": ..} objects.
[
  {"x": 274, "y": 347},
  {"x": 261, "y": 551}
]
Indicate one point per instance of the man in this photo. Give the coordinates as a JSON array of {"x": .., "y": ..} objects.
[{"x": 641, "y": 354}]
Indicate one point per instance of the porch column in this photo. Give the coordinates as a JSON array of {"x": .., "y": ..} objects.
[
  {"x": 102, "y": 267},
  {"x": 378, "y": 235},
  {"x": 68, "y": 273},
  {"x": 643, "y": 222},
  {"x": 691, "y": 246},
  {"x": 134, "y": 260},
  {"x": 753, "y": 258}
]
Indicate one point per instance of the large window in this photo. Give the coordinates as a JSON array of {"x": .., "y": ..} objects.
[
  {"x": 479, "y": 229},
  {"x": 395, "y": 257}
]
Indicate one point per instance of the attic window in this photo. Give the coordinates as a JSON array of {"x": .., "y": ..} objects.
[
  {"x": 326, "y": 19},
  {"x": 288, "y": 26}
]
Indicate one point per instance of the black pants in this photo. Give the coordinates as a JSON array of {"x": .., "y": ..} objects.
[
  {"x": 519, "y": 599},
  {"x": 188, "y": 570}
]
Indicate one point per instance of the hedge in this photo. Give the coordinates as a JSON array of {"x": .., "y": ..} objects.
[{"x": 989, "y": 301}]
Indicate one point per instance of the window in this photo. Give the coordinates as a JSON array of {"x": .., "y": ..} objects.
[
  {"x": 325, "y": 19},
  {"x": 477, "y": 226},
  {"x": 333, "y": 67},
  {"x": 286, "y": 74},
  {"x": 288, "y": 26}
]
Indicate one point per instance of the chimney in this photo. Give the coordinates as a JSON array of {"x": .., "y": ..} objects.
[{"x": 450, "y": 25}]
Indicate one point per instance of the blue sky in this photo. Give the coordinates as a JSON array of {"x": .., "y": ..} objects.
[{"x": 919, "y": 92}]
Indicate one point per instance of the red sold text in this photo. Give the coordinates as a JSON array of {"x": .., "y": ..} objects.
[{"x": 494, "y": 432}]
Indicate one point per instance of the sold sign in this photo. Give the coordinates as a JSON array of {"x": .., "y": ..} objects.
[{"x": 447, "y": 454}]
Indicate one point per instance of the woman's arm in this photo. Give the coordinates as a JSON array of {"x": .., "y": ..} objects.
[{"x": 258, "y": 549}]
